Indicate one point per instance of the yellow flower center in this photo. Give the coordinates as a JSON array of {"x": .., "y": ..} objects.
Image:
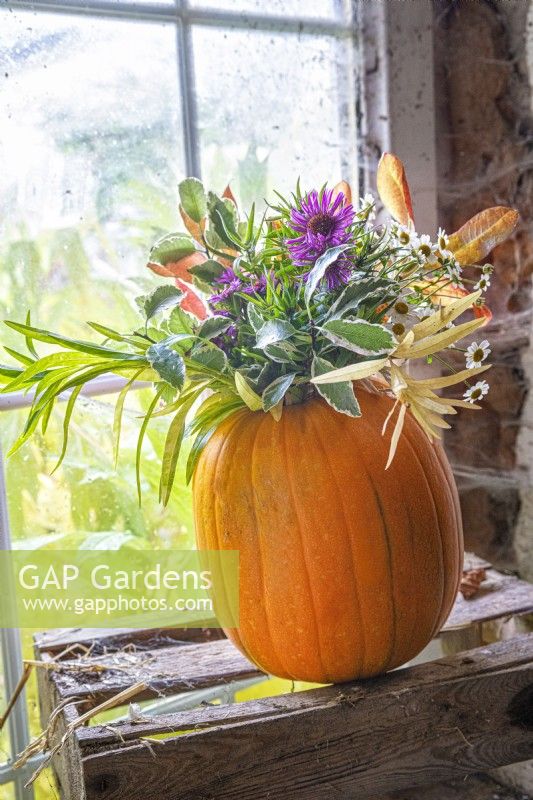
[
  {"x": 401, "y": 307},
  {"x": 404, "y": 237},
  {"x": 425, "y": 249},
  {"x": 398, "y": 329},
  {"x": 476, "y": 394},
  {"x": 478, "y": 355}
]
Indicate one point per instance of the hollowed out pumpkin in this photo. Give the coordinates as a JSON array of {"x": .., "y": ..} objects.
[{"x": 346, "y": 570}]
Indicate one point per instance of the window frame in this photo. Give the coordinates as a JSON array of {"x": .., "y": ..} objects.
[{"x": 394, "y": 60}]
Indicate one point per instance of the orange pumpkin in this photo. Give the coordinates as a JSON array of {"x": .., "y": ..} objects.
[{"x": 346, "y": 570}]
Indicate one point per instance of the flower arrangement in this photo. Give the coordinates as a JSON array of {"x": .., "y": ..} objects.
[{"x": 309, "y": 299}]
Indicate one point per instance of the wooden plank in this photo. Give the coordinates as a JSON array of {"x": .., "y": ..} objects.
[
  {"x": 412, "y": 727},
  {"x": 477, "y": 787},
  {"x": 167, "y": 670},
  {"x": 110, "y": 639},
  {"x": 499, "y": 596},
  {"x": 66, "y": 764},
  {"x": 156, "y": 660}
]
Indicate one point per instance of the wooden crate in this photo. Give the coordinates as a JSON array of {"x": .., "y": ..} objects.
[{"x": 454, "y": 716}]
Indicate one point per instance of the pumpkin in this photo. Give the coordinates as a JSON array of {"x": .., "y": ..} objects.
[{"x": 347, "y": 570}]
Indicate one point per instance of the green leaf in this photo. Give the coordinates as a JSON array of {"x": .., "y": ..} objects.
[
  {"x": 276, "y": 391},
  {"x": 319, "y": 270},
  {"x": 223, "y": 220},
  {"x": 210, "y": 356},
  {"x": 180, "y": 321},
  {"x": 340, "y": 396},
  {"x": 196, "y": 449},
  {"x": 274, "y": 331},
  {"x": 109, "y": 333},
  {"x": 142, "y": 432},
  {"x": 171, "y": 248},
  {"x": 355, "y": 294},
  {"x": 26, "y": 360},
  {"x": 213, "y": 326},
  {"x": 192, "y": 198},
  {"x": 208, "y": 272},
  {"x": 254, "y": 317},
  {"x": 162, "y": 298},
  {"x": 172, "y": 449},
  {"x": 8, "y": 373},
  {"x": 70, "y": 344},
  {"x": 245, "y": 391},
  {"x": 168, "y": 364},
  {"x": 49, "y": 364},
  {"x": 210, "y": 424},
  {"x": 117, "y": 418},
  {"x": 66, "y": 425},
  {"x": 283, "y": 352},
  {"x": 249, "y": 231},
  {"x": 366, "y": 338},
  {"x": 29, "y": 343}
]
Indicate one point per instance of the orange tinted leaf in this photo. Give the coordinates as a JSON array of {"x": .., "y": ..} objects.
[
  {"x": 345, "y": 188},
  {"x": 196, "y": 229},
  {"x": 477, "y": 237},
  {"x": 229, "y": 194},
  {"x": 192, "y": 301},
  {"x": 159, "y": 269},
  {"x": 393, "y": 189},
  {"x": 178, "y": 269},
  {"x": 483, "y": 311}
]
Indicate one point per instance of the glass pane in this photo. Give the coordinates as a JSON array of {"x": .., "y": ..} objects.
[
  {"x": 90, "y": 151},
  {"x": 286, "y": 111},
  {"x": 87, "y": 503},
  {"x": 339, "y": 10}
]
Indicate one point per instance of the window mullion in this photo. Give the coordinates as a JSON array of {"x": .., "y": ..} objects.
[{"x": 187, "y": 84}]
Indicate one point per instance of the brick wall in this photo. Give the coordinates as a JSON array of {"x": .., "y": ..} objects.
[{"x": 484, "y": 57}]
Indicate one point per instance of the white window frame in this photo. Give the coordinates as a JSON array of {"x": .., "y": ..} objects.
[{"x": 395, "y": 111}]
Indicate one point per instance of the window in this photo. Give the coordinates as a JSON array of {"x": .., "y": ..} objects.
[{"x": 104, "y": 104}]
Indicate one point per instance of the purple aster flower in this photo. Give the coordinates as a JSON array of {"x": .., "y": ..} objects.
[
  {"x": 257, "y": 287},
  {"x": 231, "y": 284},
  {"x": 321, "y": 221},
  {"x": 338, "y": 273},
  {"x": 227, "y": 339},
  {"x": 227, "y": 276}
]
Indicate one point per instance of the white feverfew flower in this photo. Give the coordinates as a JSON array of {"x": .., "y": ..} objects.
[
  {"x": 453, "y": 270},
  {"x": 407, "y": 236},
  {"x": 477, "y": 353},
  {"x": 476, "y": 392},
  {"x": 367, "y": 207},
  {"x": 483, "y": 283},
  {"x": 487, "y": 269},
  {"x": 443, "y": 241},
  {"x": 425, "y": 250},
  {"x": 402, "y": 315}
]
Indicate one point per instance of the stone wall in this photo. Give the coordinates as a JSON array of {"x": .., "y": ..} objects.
[{"x": 484, "y": 67}]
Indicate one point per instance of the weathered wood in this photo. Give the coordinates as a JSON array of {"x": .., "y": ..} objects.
[
  {"x": 67, "y": 764},
  {"x": 415, "y": 726},
  {"x": 157, "y": 659},
  {"x": 166, "y": 670},
  {"x": 111, "y": 639},
  {"x": 499, "y": 596},
  {"x": 478, "y": 787}
]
